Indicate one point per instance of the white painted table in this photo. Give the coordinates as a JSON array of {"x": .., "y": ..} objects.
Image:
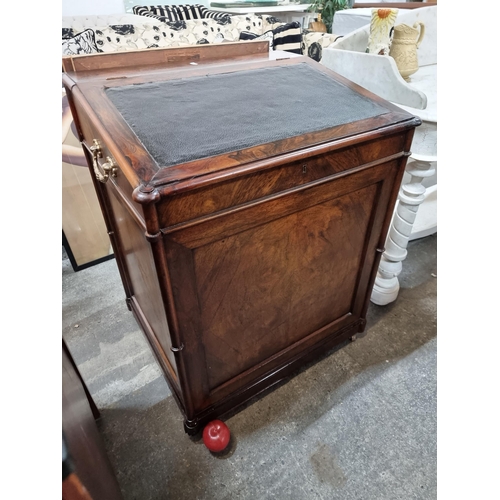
[
  {"x": 287, "y": 12},
  {"x": 348, "y": 20}
]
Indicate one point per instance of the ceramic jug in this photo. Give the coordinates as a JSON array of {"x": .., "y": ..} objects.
[{"x": 405, "y": 42}]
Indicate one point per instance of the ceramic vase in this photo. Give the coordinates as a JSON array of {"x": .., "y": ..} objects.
[{"x": 405, "y": 42}]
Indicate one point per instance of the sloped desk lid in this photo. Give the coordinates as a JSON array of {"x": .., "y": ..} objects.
[
  {"x": 188, "y": 113},
  {"x": 189, "y": 119}
]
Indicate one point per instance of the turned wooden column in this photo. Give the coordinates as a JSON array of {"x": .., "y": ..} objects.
[{"x": 411, "y": 195}]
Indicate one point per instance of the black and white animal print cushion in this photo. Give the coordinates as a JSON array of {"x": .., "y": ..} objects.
[
  {"x": 83, "y": 43},
  {"x": 268, "y": 35},
  {"x": 118, "y": 38},
  {"x": 248, "y": 22},
  {"x": 196, "y": 31},
  {"x": 139, "y": 10},
  {"x": 270, "y": 22},
  {"x": 177, "y": 12},
  {"x": 123, "y": 37},
  {"x": 314, "y": 42},
  {"x": 68, "y": 33},
  {"x": 287, "y": 36}
]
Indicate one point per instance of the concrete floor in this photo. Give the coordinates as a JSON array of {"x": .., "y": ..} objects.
[{"x": 358, "y": 424}]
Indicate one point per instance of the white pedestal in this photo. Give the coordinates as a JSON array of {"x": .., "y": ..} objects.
[{"x": 415, "y": 215}]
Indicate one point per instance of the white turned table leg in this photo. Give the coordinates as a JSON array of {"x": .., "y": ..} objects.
[{"x": 411, "y": 195}]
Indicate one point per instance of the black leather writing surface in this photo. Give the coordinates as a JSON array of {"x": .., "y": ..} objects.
[{"x": 192, "y": 118}]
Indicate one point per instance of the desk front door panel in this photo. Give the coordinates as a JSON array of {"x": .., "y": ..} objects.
[{"x": 259, "y": 284}]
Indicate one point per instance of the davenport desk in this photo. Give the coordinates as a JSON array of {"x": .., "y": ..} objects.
[{"x": 247, "y": 199}]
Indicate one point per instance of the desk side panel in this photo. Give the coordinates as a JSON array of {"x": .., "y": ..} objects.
[
  {"x": 141, "y": 269},
  {"x": 128, "y": 230}
]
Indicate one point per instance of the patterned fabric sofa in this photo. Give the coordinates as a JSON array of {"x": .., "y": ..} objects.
[
  {"x": 183, "y": 25},
  {"x": 83, "y": 226}
]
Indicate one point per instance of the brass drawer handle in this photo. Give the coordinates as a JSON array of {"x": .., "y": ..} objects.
[{"x": 108, "y": 168}]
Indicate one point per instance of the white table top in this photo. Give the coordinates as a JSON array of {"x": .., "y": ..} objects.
[
  {"x": 425, "y": 80},
  {"x": 349, "y": 20},
  {"x": 263, "y": 10}
]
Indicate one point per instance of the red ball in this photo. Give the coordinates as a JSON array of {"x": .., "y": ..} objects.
[{"x": 216, "y": 435}]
